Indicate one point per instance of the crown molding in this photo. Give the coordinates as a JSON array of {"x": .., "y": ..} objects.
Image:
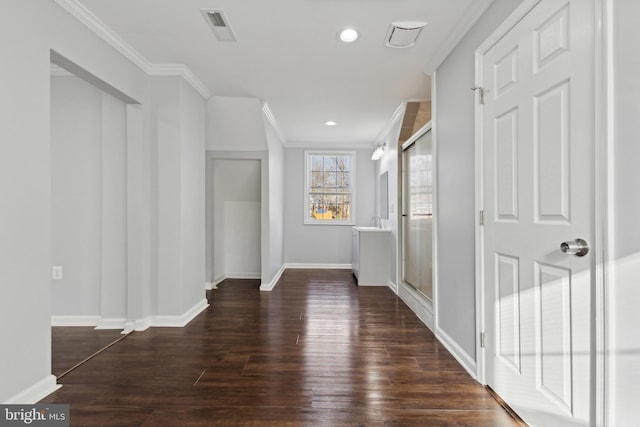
[
  {"x": 474, "y": 12},
  {"x": 268, "y": 114},
  {"x": 182, "y": 71},
  {"x": 329, "y": 145},
  {"x": 397, "y": 115},
  {"x": 91, "y": 21}
]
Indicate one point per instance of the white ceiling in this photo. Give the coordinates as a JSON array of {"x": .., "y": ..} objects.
[{"x": 288, "y": 55}]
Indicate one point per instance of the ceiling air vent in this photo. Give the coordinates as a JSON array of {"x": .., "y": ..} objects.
[
  {"x": 219, "y": 24},
  {"x": 404, "y": 34}
]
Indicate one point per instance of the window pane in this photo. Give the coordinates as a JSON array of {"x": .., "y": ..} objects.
[
  {"x": 330, "y": 163},
  {"x": 329, "y": 190},
  {"x": 330, "y": 179},
  {"x": 317, "y": 180},
  {"x": 317, "y": 163}
]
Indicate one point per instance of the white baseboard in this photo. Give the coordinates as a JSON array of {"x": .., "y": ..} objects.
[
  {"x": 128, "y": 327},
  {"x": 318, "y": 266},
  {"x": 35, "y": 393},
  {"x": 75, "y": 320},
  {"x": 243, "y": 276},
  {"x": 217, "y": 281},
  {"x": 467, "y": 362},
  {"x": 272, "y": 284},
  {"x": 208, "y": 286},
  {"x": 416, "y": 303},
  {"x": 142, "y": 324},
  {"x": 393, "y": 287},
  {"x": 111, "y": 323},
  {"x": 179, "y": 321}
]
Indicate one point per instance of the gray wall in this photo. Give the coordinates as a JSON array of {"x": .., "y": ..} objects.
[
  {"x": 237, "y": 217},
  {"x": 88, "y": 184},
  {"x": 276, "y": 204},
  {"x": 389, "y": 163},
  {"x": 32, "y": 29},
  {"x": 323, "y": 244},
  {"x": 454, "y": 115},
  {"x": 624, "y": 338}
]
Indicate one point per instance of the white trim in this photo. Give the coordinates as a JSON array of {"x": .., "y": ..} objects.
[
  {"x": 179, "y": 321},
  {"x": 313, "y": 145},
  {"x": 434, "y": 203},
  {"x": 34, "y": 393},
  {"x": 92, "y": 22},
  {"x": 473, "y": 13},
  {"x": 604, "y": 133},
  {"x": 268, "y": 114},
  {"x": 393, "y": 287},
  {"x": 520, "y": 12},
  {"x": 300, "y": 265},
  {"x": 353, "y": 193},
  {"x": 416, "y": 136},
  {"x": 142, "y": 324},
  {"x": 183, "y": 71},
  {"x": 75, "y": 320},
  {"x": 128, "y": 327},
  {"x": 416, "y": 302},
  {"x": 463, "y": 358},
  {"x": 217, "y": 281},
  {"x": 272, "y": 284},
  {"x": 111, "y": 323},
  {"x": 239, "y": 275},
  {"x": 398, "y": 114}
]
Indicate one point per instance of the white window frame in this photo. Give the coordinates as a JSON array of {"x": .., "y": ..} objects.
[{"x": 307, "y": 182}]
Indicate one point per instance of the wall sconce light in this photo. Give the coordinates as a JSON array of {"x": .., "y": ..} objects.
[{"x": 379, "y": 151}]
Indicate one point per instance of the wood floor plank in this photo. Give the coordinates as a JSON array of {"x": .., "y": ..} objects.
[{"x": 316, "y": 351}]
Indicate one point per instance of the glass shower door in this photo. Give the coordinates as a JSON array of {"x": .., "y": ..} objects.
[{"x": 417, "y": 215}]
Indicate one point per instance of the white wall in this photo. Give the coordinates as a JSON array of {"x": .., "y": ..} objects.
[
  {"x": 276, "y": 203},
  {"x": 193, "y": 161},
  {"x": 454, "y": 131},
  {"x": 76, "y": 195},
  {"x": 88, "y": 184},
  {"x": 624, "y": 289},
  {"x": 237, "y": 217},
  {"x": 323, "y": 244},
  {"x": 113, "y": 298},
  {"x": 31, "y": 30},
  {"x": 389, "y": 163},
  {"x": 235, "y": 124},
  {"x": 180, "y": 132}
]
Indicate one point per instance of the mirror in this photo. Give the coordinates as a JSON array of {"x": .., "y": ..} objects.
[{"x": 384, "y": 195}]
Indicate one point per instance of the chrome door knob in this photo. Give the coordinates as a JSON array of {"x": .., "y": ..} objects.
[{"x": 577, "y": 247}]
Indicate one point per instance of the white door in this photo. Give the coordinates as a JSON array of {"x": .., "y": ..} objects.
[{"x": 538, "y": 191}]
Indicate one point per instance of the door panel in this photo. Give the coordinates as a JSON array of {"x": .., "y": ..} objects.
[{"x": 538, "y": 169}]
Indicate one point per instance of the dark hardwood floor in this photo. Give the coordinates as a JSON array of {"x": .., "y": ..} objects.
[
  {"x": 72, "y": 345},
  {"x": 316, "y": 351}
]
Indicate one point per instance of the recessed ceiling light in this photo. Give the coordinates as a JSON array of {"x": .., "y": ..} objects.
[
  {"x": 348, "y": 35},
  {"x": 330, "y": 123}
]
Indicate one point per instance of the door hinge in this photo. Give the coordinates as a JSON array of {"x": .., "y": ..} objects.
[
  {"x": 481, "y": 217},
  {"x": 482, "y": 91},
  {"x": 482, "y": 335}
]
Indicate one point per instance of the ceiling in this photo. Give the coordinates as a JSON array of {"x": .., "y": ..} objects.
[{"x": 288, "y": 55}]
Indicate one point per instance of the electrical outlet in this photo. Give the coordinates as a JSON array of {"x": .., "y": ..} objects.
[{"x": 56, "y": 272}]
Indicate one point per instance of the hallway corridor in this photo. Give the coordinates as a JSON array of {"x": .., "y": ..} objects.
[{"x": 316, "y": 351}]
